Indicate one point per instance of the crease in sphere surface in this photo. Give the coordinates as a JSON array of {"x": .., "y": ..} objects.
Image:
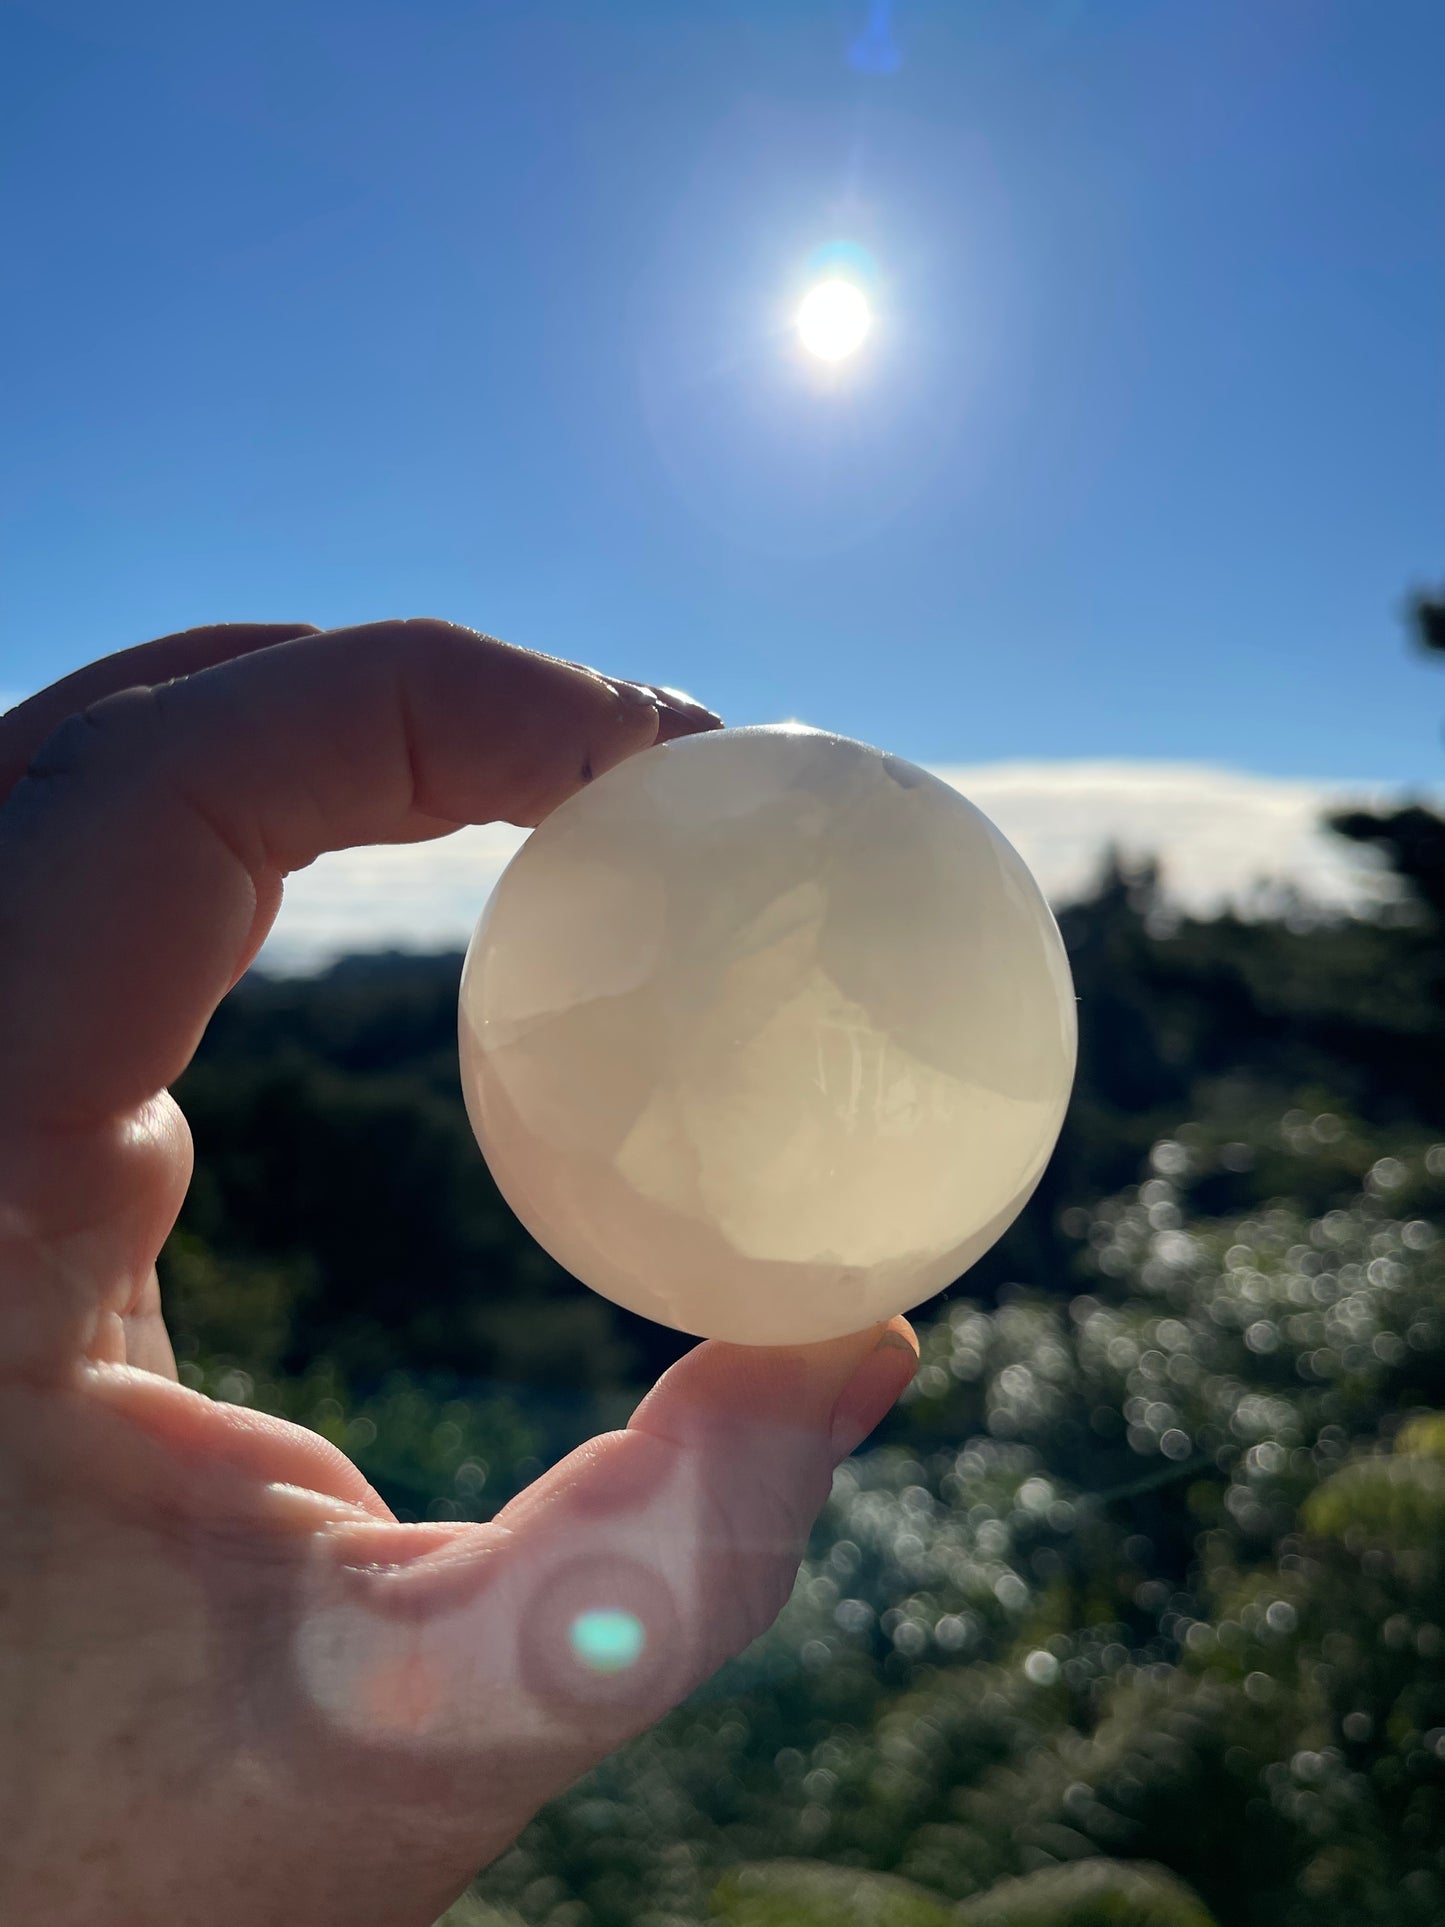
[{"x": 767, "y": 1035}]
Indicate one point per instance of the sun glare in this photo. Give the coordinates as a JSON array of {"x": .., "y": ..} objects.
[{"x": 833, "y": 320}]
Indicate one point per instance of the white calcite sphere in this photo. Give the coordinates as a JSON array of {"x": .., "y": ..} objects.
[{"x": 767, "y": 1035}]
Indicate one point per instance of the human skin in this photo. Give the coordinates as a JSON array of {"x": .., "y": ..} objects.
[{"x": 232, "y": 1687}]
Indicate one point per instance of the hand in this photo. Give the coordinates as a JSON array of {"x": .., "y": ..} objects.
[{"x": 232, "y": 1687}]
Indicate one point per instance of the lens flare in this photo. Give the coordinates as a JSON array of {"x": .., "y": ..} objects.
[
  {"x": 833, "y": 320},
  {"x": 607, "y": 1641},
  {"x": 874, "y": 51}
]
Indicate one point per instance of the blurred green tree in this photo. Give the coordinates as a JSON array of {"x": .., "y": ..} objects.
[
  {"x": 804, "y": 1893},
  {"x": 1411, "y": 839},
  {"x": 1095, "y": 1893},
  {"x": 1131, "y": 1614},
  {"x": 1427, "y": 620}
]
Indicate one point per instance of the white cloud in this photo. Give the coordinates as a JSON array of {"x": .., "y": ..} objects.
[
  {"x": 1220, "y": 836},
  {"x": 405, "y": 896}
]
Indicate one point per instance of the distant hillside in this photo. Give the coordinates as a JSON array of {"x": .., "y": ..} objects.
[{"x": 331, "y": 1136}]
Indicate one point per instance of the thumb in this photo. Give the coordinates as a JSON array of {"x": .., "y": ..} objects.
[{"x": 609, "y": 1589}]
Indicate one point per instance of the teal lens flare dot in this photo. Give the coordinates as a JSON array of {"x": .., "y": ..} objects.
[{"x": 607, "y": 1641}]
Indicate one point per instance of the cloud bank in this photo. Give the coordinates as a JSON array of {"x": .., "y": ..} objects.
[{"x": 1221, "y": 836}]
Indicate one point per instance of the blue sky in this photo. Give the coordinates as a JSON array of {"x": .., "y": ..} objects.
[{"x": 335, "y": 309}]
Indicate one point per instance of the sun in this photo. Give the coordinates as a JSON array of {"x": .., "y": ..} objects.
[{"x": 834, "y": 320}]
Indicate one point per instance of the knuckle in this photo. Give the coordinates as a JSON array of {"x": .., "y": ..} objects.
[
  {"x": 428, "y": 652},
  {"x": 66, "y": 748},
  {"x": 93, "y": 732},
  {"x": 767, "y": 1522}
]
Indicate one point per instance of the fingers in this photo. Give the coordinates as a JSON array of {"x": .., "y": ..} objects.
[
  {"x": 145, "y": 847},
  {"x": 24, "y": 728},
  {"x": 141, "y": 860},
  {"x": 215, "y": 1458},
  {"x": 615, "y": 1585}
]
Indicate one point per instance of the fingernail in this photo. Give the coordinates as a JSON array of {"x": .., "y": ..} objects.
[
  {"x": 872, "y": 1392},
  {"x": 634, "y": 694},
  {"x": 686, "y": 705}
]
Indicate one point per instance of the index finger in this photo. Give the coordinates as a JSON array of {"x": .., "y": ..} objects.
[{"x": 147, "y": 842}]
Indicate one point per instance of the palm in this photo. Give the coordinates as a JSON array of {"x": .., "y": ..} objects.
[
  {"x": 133, "y": 1534},
  {"x": 236, "y": 1688}
]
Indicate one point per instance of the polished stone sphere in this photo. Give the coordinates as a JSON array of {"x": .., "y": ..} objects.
[{"x": 767, "y": 1035}]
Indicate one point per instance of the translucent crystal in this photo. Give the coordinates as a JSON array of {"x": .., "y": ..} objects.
[{"x": 767, "y": 1035}]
